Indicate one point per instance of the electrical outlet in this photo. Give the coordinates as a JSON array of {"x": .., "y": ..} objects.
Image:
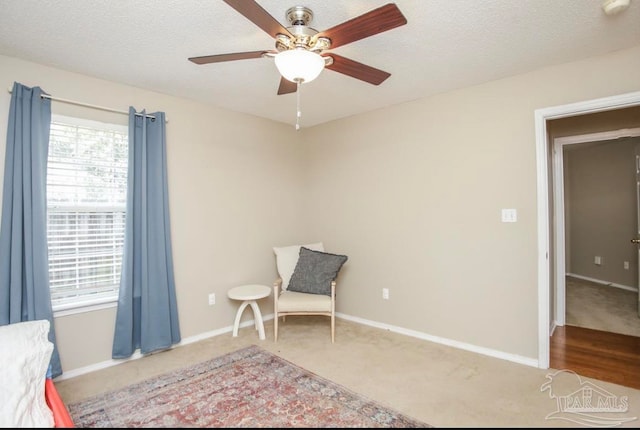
[
  {"x": 385, "y": 293},
  {"x": 212, "y": 299},
  {"x": 626, "y": 265},
  {"x": 597, "y": 260}
]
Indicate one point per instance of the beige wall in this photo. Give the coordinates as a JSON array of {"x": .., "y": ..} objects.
[
  {"x": 412, "y": 194},
  {"x": 234, "y": 186},
  {"x": 601, "y": 210}
]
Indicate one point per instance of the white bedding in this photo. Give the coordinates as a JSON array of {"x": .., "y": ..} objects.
[{"x": 25, "y": 352}]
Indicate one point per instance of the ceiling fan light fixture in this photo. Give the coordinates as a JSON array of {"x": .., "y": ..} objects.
[
  {"x": 299, "y": 65},
  {"x": 614, "y": 7}
]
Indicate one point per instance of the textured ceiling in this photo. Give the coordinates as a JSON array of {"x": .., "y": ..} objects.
[{"x": 445, "y": 45}]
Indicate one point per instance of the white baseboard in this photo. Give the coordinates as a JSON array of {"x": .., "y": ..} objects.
[
  {"x": 607, "y": 283},
  {"x": 191, "y": 339},
  {"x": 444, "y": 341},
  {"x": 136, "y": 355}
]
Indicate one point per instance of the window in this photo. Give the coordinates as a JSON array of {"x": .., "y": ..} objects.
[{"x": 86, "y": 202}]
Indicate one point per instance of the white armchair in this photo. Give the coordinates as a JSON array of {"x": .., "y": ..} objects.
[{"x": 306, "y": 283}]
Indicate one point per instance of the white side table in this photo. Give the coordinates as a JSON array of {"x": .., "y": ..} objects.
[{"x": 249, "y": 294}]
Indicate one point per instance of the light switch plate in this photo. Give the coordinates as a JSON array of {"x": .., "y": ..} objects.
[{"x": 509, "y": 215}]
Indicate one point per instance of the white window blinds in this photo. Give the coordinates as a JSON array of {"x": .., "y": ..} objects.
[{"x": 86, "y": 202}]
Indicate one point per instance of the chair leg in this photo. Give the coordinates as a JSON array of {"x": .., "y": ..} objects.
[
  {"x": 333, "y": 311},
  {"x": 275, "y": 325},
  {"x": 275, "y": 328},
  {"x": 333, "y": 328}
]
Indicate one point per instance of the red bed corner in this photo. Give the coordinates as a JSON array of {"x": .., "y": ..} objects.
[{"x": 61, "y": 417}]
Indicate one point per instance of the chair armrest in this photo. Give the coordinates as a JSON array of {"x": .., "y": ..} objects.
[{"x": 276, "y": 288}]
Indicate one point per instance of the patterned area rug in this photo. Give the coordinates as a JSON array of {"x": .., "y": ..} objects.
[{"x": 247, "y": 388}]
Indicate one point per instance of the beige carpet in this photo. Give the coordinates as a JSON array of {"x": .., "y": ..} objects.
[
  {"x": 440, "y": 385},
  {"x": 601, "y": 307}
]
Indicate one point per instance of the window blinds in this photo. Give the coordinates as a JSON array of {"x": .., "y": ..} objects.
[{"x": 86, "y": 202}]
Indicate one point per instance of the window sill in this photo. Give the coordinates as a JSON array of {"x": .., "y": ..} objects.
[{"x": 79, "y": 308}]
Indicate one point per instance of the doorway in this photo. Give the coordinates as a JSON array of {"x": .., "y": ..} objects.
[
  {"x": 595, "y": 196},
  {"x": 547, "y": 254}
]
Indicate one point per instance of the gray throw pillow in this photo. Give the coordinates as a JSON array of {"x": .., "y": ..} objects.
[{"x": 314, "y": 271}]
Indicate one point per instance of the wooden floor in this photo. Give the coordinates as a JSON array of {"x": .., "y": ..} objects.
[{"x": 597, "y": 354}]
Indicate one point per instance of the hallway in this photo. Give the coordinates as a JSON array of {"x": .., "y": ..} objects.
[{"x": 602, "y": 355}]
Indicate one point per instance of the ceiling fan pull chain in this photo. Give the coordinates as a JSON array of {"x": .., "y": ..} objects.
[{"x": 298, "y": 111}]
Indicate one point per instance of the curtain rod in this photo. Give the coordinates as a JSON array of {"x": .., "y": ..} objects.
[{"x": 73, "y": 102}]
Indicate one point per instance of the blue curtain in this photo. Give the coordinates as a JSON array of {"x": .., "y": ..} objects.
[
  {"x": 147, "y": 315},
  {"x": 24, "y": 263}
]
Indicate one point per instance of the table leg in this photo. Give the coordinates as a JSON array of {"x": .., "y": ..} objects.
[
  {"x": 258, "y": 318},
  {"x": 236, "y": 324}
]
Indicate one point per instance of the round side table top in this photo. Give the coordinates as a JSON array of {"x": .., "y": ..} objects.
[{"x": 249, "y": 292}]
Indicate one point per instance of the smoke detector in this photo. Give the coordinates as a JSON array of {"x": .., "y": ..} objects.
[{"x": 614, "y": 7}]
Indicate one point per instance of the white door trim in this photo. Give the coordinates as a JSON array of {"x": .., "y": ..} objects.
[
  {"x": 558, "y": 205},
  {"x": 544, "y": 217}
]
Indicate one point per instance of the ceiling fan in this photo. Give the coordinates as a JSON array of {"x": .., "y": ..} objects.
[{"x": 300, "y": 51}]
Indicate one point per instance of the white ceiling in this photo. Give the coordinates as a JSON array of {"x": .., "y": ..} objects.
[{"x": 446, "y": 44}]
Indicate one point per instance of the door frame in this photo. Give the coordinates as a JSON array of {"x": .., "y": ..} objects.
[
  {"x": 544, "y": 165},
  {"x": 558, "y": 207}
]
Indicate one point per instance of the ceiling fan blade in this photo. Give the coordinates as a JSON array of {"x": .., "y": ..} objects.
[
  {"x": 260, "y": 17},
  {"x": 286, "y": 86},
  {"x": 376, "y": 21},
  {"x": 206, "y": 59},
  {"x": 357, "y": 70}
]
